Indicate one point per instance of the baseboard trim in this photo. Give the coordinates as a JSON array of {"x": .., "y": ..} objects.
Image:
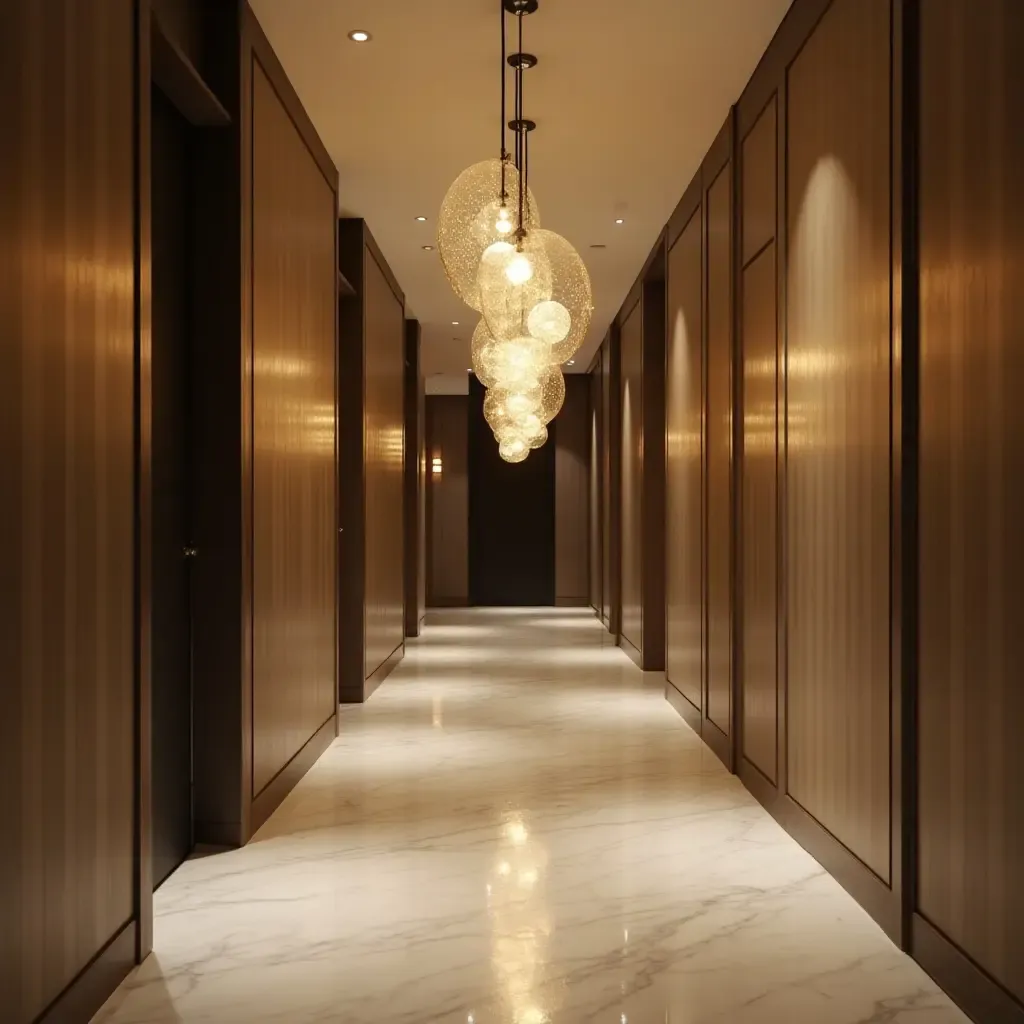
[
  {"x": 634, "y": 653},
  {"x": 874, "y": 895},
  {"x": 572, "y": 602},
  {"x": 95, "y": 982},
  {"x": 448, "y": 602},
  {"x": 383, "y": 670},
  {"x": 683, "y": 706},
  {"x": 219, "y": 833},
  {"x": 762, "y": 788},
  {"x": 284, "y": 781},
  {"x": 977, "y": 993},
  {"x": 718, "y": 742}
]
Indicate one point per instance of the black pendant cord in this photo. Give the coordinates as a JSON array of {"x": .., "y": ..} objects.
[
  {"x": 504, "y": 152},
  {"x": 522, "y": 142}
]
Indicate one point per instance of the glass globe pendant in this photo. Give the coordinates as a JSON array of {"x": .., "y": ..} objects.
[
  {"x": 515, "y": 450},
  {"x": 474, "y": 215},
  {"x": 564, "y": 319},
  {"x": 512, "y": 280}
]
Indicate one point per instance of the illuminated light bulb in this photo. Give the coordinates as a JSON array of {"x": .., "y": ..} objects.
[
  {"x": 515, "y": 450},
  {"x": 519, "y": 269},
  {"x": 549, "y": 321},
  {"x": 503, "y": 225},
  {"x": 519, "y": 403}
]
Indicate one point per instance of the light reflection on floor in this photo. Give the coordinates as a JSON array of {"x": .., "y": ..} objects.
[{"x": 517, "y": 828}]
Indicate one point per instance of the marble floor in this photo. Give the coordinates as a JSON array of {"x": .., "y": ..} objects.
[{"x": 517, "y": 829}]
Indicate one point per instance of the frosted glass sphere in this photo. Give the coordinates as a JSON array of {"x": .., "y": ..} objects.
[
  {"x": 472, "y": 218},
  {"x": 537, "y": 439},
  {"x": 515, "y": 364},
  {"x": 513, "y": 279},
  {"x": 552, "y": 394},
  {"x": 549, "y": 322},
  {"x": 570, "y": 288},
  {"x": 482, "y": 355},
  {"x": 514, "y": 451}
]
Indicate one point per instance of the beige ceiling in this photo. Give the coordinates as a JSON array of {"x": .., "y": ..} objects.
[{"x": 628, "y": 95}]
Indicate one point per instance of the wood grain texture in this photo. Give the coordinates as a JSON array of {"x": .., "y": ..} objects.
[
  {"x": 610, "y": 455},
  {"x": 684, "y": 404},
  {"x": 971, "y": 647},
  {"x": 294, "y": 281},
  {"x": 759, "y": 530},
  {"x": 384, "y": 453},
  {"x": 572, "y": 490},
  {"x": 759, "y": 183},
  {"x": 838, "y": 491},
  {"x": 632, "y": 355},
  {"x": 596, "y": 489},
  {"x": 718, "y": 450},
  {"x": 67, "y": 702},
  {"x": 448, "y": 501}
]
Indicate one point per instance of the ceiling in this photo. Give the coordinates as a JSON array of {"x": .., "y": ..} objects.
[{"x": 627, "y": 97}]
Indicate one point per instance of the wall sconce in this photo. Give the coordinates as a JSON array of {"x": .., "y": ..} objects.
[{"x": 435, "y": 466}]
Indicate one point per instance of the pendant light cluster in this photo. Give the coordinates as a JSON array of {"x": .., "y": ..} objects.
[{"x": 528, "y": 283}]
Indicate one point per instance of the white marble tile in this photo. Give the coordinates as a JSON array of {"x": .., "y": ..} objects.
[{"x": 518, "y": 829}]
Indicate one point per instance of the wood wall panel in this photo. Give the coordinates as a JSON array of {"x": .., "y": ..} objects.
[
  {"x": 684, "y": 403},
  {"x": 718, "y": 450},
  {"x": 971, "y": 701},
  {"x": 838, "y": 428},
  {"x": 759, "y": 532},
  {"x": 384, "y": 453},
  {"x": 448, "y": 501},
  {"x": 632, "y": 355},
  {"x": 294, "y": 529},
  {"x": 610, "y": 469},
  {"x": 596, "y": 489},
  {"x": 67, "y": 701},
  {"x": 572, "y": 490},
  {"x": 759, "y": 183}
]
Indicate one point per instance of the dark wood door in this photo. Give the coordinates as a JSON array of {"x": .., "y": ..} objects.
[{"x": 172, "y": 657}]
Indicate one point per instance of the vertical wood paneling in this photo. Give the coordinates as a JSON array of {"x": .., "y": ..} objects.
[
  {"x": 718, "y": 450},
  {"x": 610, "y": 526},
  {"x": 684, "y": 404},
  {"x": 759, "y": 527},
  {"x": 632, "y": 355},
  {"x": 971, "y": 699},
  {"x": 838, "y": 428},
  {"x": 384, "y": 453},
  {"x": 759, "y": 183},
  {"x": 596, "y": 489},
  {"x": 572, "y": 488},
  {"x": 759, "y": 538},
  {"x": 67, "y": 704},
  {"x": 294, "y": 531},
  {"x": 448, "y": 500}
]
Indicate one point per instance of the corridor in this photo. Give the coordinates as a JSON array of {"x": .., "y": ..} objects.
[{"x": 517, "y": 828}]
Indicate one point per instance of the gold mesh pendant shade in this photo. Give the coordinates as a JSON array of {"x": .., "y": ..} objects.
[
  {"x": 470, "y": 221},
  {"x": 552, "y": 394},
  {"x": 513, "y": 279},
  {"x": 571, "y": 299},
  {"x": 514, "y": 451}
]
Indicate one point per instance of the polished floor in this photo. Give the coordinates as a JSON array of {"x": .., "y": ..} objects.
[{"x": 518, "y": 829}]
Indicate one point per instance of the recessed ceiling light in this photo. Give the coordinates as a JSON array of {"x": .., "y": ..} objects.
[
  {"x": 571, "y": 361},
  {"x": 599, "y": 245},
  {"x": 358, "y": 35},
  {"x": 421, "y": 219},
  {"x": 469, "y": 369},
  {"x": 619, "y": 220},
  {"x": 455, "y": 323},
  {"x": 428, "y": 247}
]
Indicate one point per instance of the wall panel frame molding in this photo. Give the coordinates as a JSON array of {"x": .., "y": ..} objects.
[
  {"x": 447, "y": 495},
  {"x": 371, "y": 459},
  {"x": 641, "y": 401},
  {"x": 572, "y": 437}
]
